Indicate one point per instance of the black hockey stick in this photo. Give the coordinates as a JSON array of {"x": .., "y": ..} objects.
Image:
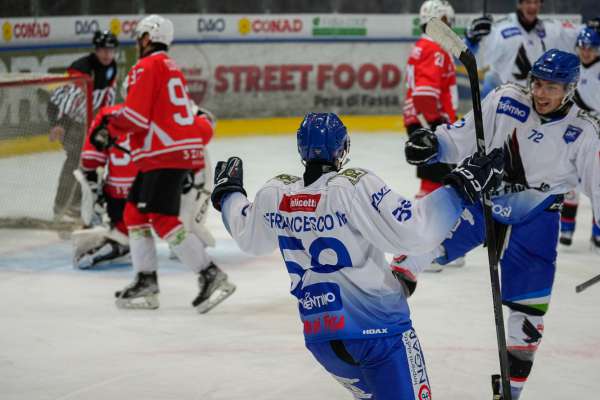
[
  {"x": 442, "y": 34},
  {"x": 581, "y": 287}
]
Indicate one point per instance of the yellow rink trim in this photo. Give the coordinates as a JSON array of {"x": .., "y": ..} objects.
[
  {"x": 289, "y": 125},
  {"x": 33, "y": 144},
  {"x": 227, "y": 128}
]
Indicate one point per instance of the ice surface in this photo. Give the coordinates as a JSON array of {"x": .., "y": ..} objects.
[{"x": 61, "y": 336}]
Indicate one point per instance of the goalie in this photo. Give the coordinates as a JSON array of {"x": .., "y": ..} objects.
[{"x": 106, "y": 176}]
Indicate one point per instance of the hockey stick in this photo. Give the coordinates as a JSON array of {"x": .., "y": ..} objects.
[
  {"x": 442, "y": 34},
  {"x": 581, "y": 287}
]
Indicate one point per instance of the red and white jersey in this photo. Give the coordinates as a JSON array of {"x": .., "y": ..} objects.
[
  {"x": 120, "y": 170},
  {"x": 430, "y": 83},
  {"x": 166, "y": 134}
]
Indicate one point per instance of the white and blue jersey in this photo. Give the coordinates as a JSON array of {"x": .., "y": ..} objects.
[
  {"x": 543, "y": 160},
  {"x": 332, "y": 235},
  {"x": 588, "y": 87},
  {"x": 509, "y": 50}
]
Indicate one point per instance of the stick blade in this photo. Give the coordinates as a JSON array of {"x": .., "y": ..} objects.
[{"x": 441, "y": 33}]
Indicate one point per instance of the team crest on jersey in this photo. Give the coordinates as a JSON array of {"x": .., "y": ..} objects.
[
  {"x": 287, "y": 179},
  {"x": 513, "y": 108},
  {"x": 510, "y": 32},
  {"x": 299, "y": 203},
  {"x": 571, "y": 134},
  {"x": 353, "y": 174}
]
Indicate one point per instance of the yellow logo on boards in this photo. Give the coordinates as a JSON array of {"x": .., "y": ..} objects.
[
  {"x": 115, "y": 26},
  {"x": 244, "y": 26},
  {"x": 7, "y": 31}
]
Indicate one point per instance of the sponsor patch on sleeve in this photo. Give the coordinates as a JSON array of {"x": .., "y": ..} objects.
[
  {"x": 571, "y": 134},
  {"x": 287, "y": 179},
  {"x": 510, "y": 32},
  {"x": 378, "y": 196},
  {"x": 513, "y": 108},
  {"x": 299, "y": 202},
  {"x": 353, "y": 174}
]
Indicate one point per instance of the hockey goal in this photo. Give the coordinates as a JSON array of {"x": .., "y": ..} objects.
[{"x": 43, "y": 122}]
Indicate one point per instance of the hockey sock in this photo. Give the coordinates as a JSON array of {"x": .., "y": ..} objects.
[
  {"x": 142, "y": 249},
  {"x": 189, "y": 249}
]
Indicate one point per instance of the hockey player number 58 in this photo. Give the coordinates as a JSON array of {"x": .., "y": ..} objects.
[
  {"x": 178, "y": 97},
  {"x": 315, "y": 249}
]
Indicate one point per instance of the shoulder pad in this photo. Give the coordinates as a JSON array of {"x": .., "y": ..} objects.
[
  {"x": 513, "y": 86},
  {"x": 352, "y": 174},
  {"x": 287, "y": 179},
  {"x": 592, "y": 117}
]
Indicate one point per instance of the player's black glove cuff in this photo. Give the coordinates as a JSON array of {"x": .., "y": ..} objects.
[
  {"x": 229, "y": 178},
  {"x": 421, "y": 147},
  {"x": 480, "y": 27},
  {"x": 477, "y": 175},
  {"x": 100, "y": 137}
]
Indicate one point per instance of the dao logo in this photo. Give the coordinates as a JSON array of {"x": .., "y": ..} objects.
[
  {"x": 211, "y": 25},
  {"x": 299, "y": 202},
  {"x": 571, "y": 134},
  {"x": 7, "y": 31},
  {"x": 513, "y": 108},
  {"x": 86, "y": 26}
]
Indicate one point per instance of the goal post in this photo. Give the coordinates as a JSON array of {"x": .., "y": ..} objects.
[{"x": 43, "y": 122}]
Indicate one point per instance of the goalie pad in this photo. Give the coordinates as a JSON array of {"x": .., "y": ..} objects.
[
  {"x": 90, "y": 215},
  {"x": 195, "y": 204},
  {"x": 85, "y": 240}
]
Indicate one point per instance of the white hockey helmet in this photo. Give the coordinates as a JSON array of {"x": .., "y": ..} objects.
[
  {"x": 159, "y": 29},
  {"x": 436, "y": 9}
]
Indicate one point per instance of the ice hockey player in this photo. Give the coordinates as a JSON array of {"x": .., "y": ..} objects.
[
  {"x": 551, "y": 145},
  {"x": 431, "y": 96},
  {"x": 67, "y": 113},
  {"x": 587, "y": 97},
  {"x": 332, "y": 228},
  {"x": 511, "y": 45},
  {"x": 107, "y": 176},
  {"x": 165, "y": 147}
]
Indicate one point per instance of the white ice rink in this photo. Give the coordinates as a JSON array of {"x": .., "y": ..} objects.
[{"x": 61, "y": 336}]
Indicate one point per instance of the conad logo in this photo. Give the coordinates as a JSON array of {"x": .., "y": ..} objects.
[
  {"x": 126, "y": 27},
  {"x": 277, "y": 25},
  {"x": 25, "y": 30}
]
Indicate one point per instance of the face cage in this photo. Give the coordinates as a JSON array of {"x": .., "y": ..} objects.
[{"x": 569, "y": 89}]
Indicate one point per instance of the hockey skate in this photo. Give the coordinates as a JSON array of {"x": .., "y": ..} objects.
[
  {"x": 214, "y": 288},
  {"x": 142, "y": 293},
  {"x": 566, "y": 238},
  {"x": 595, "y": 244},
  {"x": 105, "y": 253}
]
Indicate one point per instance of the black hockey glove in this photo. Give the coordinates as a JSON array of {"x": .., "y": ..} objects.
[
  {"x": 480, "y": 27},
  {"x": 229, "y": 178},
  {"x": 100, "y": 137},
  {"x": 476, "y": 175},
  {"x": 421, "y": 147}
]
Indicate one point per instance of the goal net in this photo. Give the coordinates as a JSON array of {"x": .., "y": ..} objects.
[{"x": 43, "y": 122}]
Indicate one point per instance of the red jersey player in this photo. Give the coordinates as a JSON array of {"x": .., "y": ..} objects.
[
  {"x": 102, "y": 244},
  {"x": 166, "y": 145},
  {"x": 431, "y": 97}
]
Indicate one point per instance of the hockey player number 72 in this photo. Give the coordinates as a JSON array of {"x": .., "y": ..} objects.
[{"x": 315, "y": 249}]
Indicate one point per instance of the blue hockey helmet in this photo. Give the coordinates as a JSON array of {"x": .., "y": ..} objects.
[
  {"x": 557, "y": 66},
  {"x": 588, "y": 38},
  {"x": 323, "y": 137}
]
